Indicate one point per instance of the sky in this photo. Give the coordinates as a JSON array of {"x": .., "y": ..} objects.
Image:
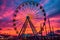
[{"x": 7, "y": 8}]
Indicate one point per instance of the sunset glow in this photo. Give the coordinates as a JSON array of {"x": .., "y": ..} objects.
[{"x": 8, "y": 7}]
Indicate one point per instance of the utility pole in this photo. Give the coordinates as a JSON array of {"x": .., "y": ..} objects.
[
  {"x": 49, "y": 25},
  {"x": 51, "y": 29}
]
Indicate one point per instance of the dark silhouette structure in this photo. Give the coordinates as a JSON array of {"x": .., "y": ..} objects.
[
  {"x": 22, "y": 31},
  {"x": 21, "y": 35}
]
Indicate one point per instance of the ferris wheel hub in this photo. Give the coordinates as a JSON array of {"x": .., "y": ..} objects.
[{"x": 27, "y": 17}]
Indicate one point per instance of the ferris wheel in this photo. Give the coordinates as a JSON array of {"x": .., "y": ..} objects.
[{"x": 29, "y": 12}]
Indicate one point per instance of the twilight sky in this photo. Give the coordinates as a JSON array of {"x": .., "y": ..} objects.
[{"x": 7, "y": 7}]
